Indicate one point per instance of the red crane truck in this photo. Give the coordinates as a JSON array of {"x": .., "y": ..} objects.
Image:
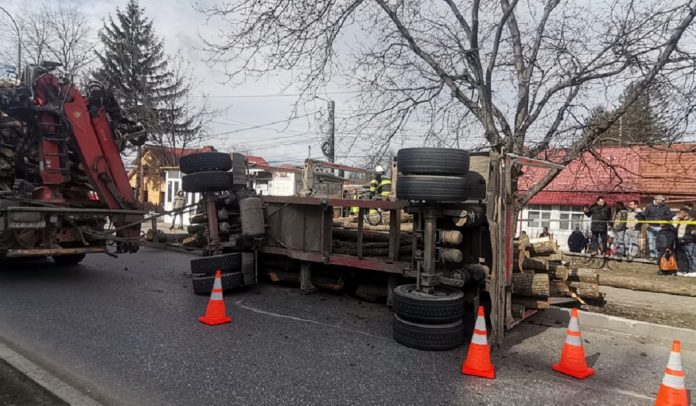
[{"x": 64, "y": 191}]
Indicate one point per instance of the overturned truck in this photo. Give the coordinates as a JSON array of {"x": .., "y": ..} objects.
[{"x": 454, "y": 253}]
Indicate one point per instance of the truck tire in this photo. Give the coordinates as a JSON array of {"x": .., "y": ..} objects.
[
  {"x": 432, "y": 188},
  {"x": 445, "y": 306},
  {"x": 432, "y": 161},
  {"x": 476, "y": 186},
  {"x": 205, "y": 161},
  {"x": 63, "y": 260},
  {"x": 203, "y": 285},
  {"x": 201, "y": 182},
  {"x": 231, "y": 262},
  {"x": 428, "y": 337}
]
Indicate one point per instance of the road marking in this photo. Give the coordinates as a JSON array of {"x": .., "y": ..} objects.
[
  {"x": 45, "y": 379},
  {"x": 241, "y": 304}
]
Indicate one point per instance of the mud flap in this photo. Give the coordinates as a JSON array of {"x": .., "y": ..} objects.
[{"x": 249, "y": 271}]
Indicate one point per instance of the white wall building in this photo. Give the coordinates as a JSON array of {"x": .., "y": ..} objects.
[
  {"x": 561, "y": 221},
  {"x": 172, "y": 178}
]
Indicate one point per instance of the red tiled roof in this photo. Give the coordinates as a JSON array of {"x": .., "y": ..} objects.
[
  {"x": 590, "y": 173},
  {"x": 256, "y": 160},
  {"x": 668, "y": 170},
  {"x": 580, "y": 198},
  {"x": 622, "y": 172}
]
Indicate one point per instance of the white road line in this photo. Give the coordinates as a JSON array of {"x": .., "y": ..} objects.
[
  {"x": 45, "y": 379},
  {"x": 241, "y": 304}
]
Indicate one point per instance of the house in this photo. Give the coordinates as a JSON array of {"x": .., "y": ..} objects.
[
  {"x": 156, "y": 186},
  {"x": 617, "y": 173}
]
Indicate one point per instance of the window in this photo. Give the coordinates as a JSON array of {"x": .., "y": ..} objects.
[
  {"x": 571, "y": 217},
  {"x": 538, "y": 216},
  {"x": 169, "y": 191}
]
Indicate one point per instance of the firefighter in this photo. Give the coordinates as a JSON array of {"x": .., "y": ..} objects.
[
  {"x": 355, "y": 196},
  {"x": 380, "y": 185}
]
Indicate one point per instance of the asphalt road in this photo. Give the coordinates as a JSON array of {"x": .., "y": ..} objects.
[{"x": 125, "y": 331}]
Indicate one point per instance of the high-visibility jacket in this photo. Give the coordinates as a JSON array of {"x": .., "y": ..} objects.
[
  {"x": 355, "y": 210},
  {"x": 380, "y": 186}
]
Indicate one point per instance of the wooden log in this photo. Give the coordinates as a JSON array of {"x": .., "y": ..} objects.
[
  {"x": 354, "y": 244},
  {"x": 534, "y": 264},
  {"x": 558, "y": 272},
  {"x": 558, "y": 288},
  {"x": 531, "y": 302},
  {"x": 372, "y": 252},
  {"x": 375, "y": 236},
  {"x": 407, "y": 227},
  {"x": 586, "y": 290},
  {"x": 543, "y": 247},
  {"x": 530, "y": 284},
  {"x": 583, "y": 275}
]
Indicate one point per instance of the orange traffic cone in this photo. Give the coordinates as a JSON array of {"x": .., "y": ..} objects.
[
  {"x": 573, "y": 356},
  {"x": 215, "y": 313},
  {"x": 672, "y": 391},
  {"x": 478, "y": 359}
]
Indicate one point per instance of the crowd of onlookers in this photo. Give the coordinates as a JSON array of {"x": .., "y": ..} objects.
[{"x": 671, "y": 239}]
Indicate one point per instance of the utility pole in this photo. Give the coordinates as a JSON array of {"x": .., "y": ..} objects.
[
  {"x": 19, "y": 44},
  {"x": 332, "y": 131}
]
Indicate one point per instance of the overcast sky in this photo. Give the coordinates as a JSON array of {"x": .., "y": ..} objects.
[{"x": 248, "y": 105}]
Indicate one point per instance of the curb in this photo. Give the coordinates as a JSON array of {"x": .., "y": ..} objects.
[
  {"x": 45, "y": 379},
  {"x": 619, "y": 324}
]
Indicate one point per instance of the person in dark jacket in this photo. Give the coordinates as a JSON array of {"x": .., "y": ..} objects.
[
  {"x": 665, "y": 239},
  {"x": 600, "y": 215},
  {"x": 577, "y": 240},
  {"x": 686, "y": 241},
  {"x": 658, "y": 212}
]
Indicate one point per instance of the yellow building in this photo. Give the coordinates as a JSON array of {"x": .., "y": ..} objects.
[{"x": 154, "y": 160}]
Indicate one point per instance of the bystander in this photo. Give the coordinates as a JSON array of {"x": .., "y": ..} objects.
[{"x": 600, "y": 215}]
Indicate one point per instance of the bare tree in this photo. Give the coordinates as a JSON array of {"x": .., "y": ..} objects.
[
  {"x": 183, "y": 116},
  {"x": 523, "y": 75},
  {"x": 59, "y": 33}
]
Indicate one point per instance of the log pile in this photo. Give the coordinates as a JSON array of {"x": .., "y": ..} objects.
[
  {"x": 541, "y": 273},
  {"x": 375, "y": 243}
]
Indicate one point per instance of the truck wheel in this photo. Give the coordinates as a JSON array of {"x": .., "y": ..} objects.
[
  {"x": 476, "y": 186},
  {"x": 432, "y": 188},
  {"x": 432, "y": 161},
  {"x": 444, "y": 306},
  {"x": 428, "y": 337},
  {"x": 201, "y": 182},
  {"x": 73, "y": 259},
  {"x": 205, "y": 161},
  {"x": 208, "y": 265},
  {"x": 203, "y": 285}
]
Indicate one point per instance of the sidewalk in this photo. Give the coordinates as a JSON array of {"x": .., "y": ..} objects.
[
  {"x": 659, "y": 308},
  {"x": 17, "y": 389}
]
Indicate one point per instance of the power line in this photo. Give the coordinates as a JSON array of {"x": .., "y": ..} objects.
[
  {"x": 258, "y": 96},
  {"x": 261, "y": 125}
]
